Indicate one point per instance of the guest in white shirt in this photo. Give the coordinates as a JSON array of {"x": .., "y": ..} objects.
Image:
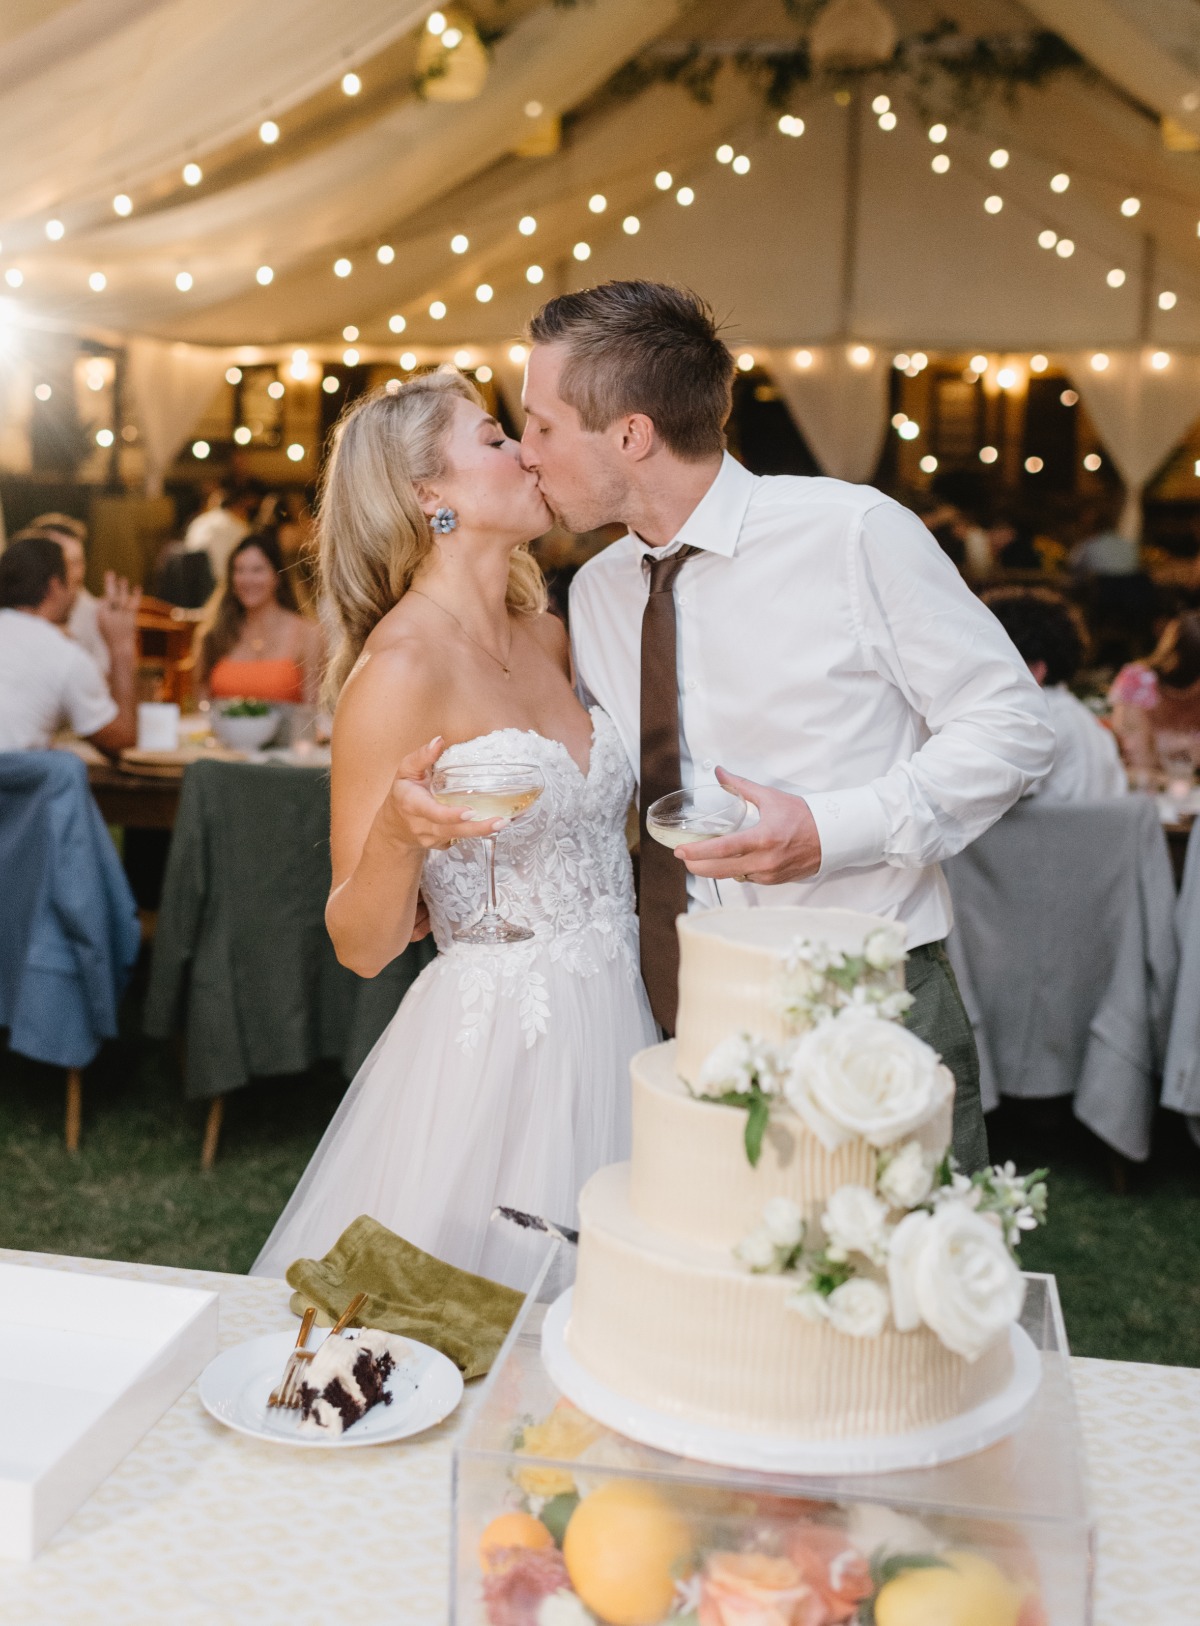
[
  {"x": 83, "y": 623},
  {"x": 217, "y": 531},
  {"x": 1050, "y": 636},
  {"x": 831, "y": 664},
  {"x": 47, "y": 681}
]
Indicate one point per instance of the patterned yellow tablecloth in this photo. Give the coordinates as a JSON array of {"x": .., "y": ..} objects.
[{"x": 203, "y": 1527}]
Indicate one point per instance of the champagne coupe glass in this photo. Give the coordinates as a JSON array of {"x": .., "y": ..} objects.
[
  {"x": 490, "y": 790},
  {"x": 698, "y": 814}
]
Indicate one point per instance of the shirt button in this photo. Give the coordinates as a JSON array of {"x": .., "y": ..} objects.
[
  {"x": 707, "y": 764},
  {"x": 681, "y": 598},
  {"x": 690, "y": 685}
]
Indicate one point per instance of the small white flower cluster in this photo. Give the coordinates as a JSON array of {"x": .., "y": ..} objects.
[
  {"x": 820, "y": 981},
  {"x": 740, "y": 1065},
  {"x": 925, "y": 1247}
]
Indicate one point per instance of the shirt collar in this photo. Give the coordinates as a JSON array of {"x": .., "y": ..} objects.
[{"x": 716, "y": 521}]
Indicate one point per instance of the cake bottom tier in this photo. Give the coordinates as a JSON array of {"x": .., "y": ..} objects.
[{"x": 687, "y": 1330}]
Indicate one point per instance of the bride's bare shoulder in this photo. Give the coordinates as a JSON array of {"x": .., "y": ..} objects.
[
  {"x": 401, "y": 673},
  {"x": 550, "y": 633}
]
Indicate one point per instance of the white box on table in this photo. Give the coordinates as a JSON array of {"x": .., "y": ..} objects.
[{"x": 87, "y": 1365}]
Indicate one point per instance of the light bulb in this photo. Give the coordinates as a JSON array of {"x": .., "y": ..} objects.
[
  {"x": 881, "y": 104},
  {"x": 803, "y": 359},
  {"x": 1115, "y": 278},
  {"x": 745, "y": 362},
  {"x": 685, "y": 195},
  {"x": 350, "y": 333},
  {"x": 104, "y": 437},
  {"x": 1006, "y": 377},
  {"x": 1092, "y": 462},
  {"x": 97, "y": 282},
  {"x": 741, "y": 164},
  {"x": 484, "y": 293},
  {"x": 1038, "y": 364},
  {"x": 791, "y": 126},
  {"x": 902, "y": 361},
  {"x": 988, "y": 454},
  {"x": 183, "y": 281},
  {"x": 1099, "y": 361},
  {"x": 264, "y": 275},
  {"x": 1047, "y": 238},
  {"x": 342, "y": 267},
  {"x": 582, "y": 251},
  {"x": 725, "y": 156},
  {"x": 860, "y": 356},
  {"x": 597, "y": 203},
  {"x": 397, "y": 324},
  {"x": 484, "y": 374},
  {"x": 1034, "y": 465},
  {"x": 350, "y": 358},
  {"x": 55, "y": 230},
  {"x": 887, "y": 121},
  {"x": 268, "y": 132},
  {"x": 192, "y": 174},
  {"x": 631, "y": 225},
  {"x": 940, "y": 163},
  {"x": 909, "y": 430},
  {"x": 462, "y": 359},
  {"x": 298, "y": 366},
  {"x": 517, "y": 354},
  {"x": 408, "y": 361},
  {"x": 43, "y": 392},
  {"x": 385, "y": 254},
  {"x": 979, "y": 364},
  {"x": 123, "y": 204},
  {"x": 527, "y": 225},
  {"x": 998, "y": 159},
  {"x": 233, "y": 375},
  {"x": 276, "y": 389},
  {"x": 1070, "y": 398},
  {"x": 1064, "y": 248},
  {"x": 200, "y": 449},
  {"x": 437, "y": 310},
  {"x": 436, "y": 23},
  {"x": 452, "y": 37},
  {"x": 330, "y": 384},
  {"x": 994, "y": 204},
  {"x": 534, "y": 110},
  {"x": 1167, "y": 301},
  {"x": 351, "y": 84},
  {"x": 1159, "y": 360},
  {"x": 1130, "y": 207},
  {"x": 928, "y": 463},
  {"x": 534, "y": 273},
  {"x": 1059, "y": 183},
  {"x": 296, "y": 452},
  {"x": 459, "y": 244},
  {"x": 938, "y": 133},
  {"x": 242, "y": 435}
]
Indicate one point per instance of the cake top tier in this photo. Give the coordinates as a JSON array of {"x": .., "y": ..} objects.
[{"x": 732, "y": 966}]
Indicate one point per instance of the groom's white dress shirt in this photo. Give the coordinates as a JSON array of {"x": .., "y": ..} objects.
[{"x": 826, "y": 646}]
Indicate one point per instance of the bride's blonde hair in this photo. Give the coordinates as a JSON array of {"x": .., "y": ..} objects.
[{"x": 373, "y": 536}]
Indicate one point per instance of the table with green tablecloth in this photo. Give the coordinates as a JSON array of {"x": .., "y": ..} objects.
[{"x": 242, "y": 963}]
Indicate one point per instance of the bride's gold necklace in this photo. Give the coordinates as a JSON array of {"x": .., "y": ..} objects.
[{"x": 501, "y": 664}]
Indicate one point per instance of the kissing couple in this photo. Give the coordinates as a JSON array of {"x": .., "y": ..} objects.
[{"x": 803, "y": 641}]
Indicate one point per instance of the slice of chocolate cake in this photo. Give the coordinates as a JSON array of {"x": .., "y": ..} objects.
[{"x": 346, "y": 1377}]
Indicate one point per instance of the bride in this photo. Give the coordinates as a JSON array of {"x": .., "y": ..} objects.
[{"x": 503, "y": 1077}]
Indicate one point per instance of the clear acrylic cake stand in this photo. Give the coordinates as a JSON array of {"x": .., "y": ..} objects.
[{"x": 1022, "y": 1500}]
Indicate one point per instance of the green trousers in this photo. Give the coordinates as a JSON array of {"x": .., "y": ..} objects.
[{"x": 939, "y": 1017}]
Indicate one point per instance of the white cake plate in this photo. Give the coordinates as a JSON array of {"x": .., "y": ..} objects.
[{"x": 960, "y": 1436}]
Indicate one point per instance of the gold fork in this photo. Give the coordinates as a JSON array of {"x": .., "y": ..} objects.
[
  {"x": 288, "y": 1394},
  {"x": 277, "y": 1396}
]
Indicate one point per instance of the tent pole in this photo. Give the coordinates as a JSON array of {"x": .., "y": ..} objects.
[
  {"x": 1149, "y": 271},
  {"x": 853, "y": 189}
]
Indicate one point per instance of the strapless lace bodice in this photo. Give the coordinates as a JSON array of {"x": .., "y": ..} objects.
[{"x": 562, "y": 870}]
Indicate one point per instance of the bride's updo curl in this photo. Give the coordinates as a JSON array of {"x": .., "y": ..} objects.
[{"x": 373, "y": 537}]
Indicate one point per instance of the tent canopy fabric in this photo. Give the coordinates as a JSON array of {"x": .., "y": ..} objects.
[{"x": 844, "y": 232}]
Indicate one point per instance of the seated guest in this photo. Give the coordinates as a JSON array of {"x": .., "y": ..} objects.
[
  {"x": 83, "y": 622},
  {"x": 46, "y": 680},
  {"x": 1103, "y": 551},
  {"x": 254, "y": 645},
  {"x": 1051, "y": 640},
  {"x": 218, "y": 530},
  {"x": 1159, "y": 695}
]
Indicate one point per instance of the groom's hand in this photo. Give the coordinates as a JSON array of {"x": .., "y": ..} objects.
[{"x": 782, "y": 846}]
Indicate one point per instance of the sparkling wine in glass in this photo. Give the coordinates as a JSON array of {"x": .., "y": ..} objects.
[
  {"x": 698, "y": 814},
  {"x": 490, "y": 790}
]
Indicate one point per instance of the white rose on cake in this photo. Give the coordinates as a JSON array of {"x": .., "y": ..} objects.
[
  {"x": 783, "y": 1222},
  {"x": 952, "y": 1271},
  {"x": 858, "y": 1307},
  {"x": 906, "y": 1178},
  {"x": 857, "y": 1075},
  {"x": 855, "y": 1221}
]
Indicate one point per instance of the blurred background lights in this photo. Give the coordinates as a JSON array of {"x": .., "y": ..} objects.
[
  {"x": 462, "y": 359},
  {"x": 1006, "y": 377},
  {"x": 745, "y": 362},
  {"x": 242, "y": 435},
  {"x": 999, "y": 159},
  {"x": 1130, "y": 207},
  {"x": 408, "y": 361},
  {"x": 887, "y": 121},
  {"x": 342, "y": 267},
  {"x": 436, "y": 23},
  {"x": 484, "y": 293},
  {"x": 1167, "y": 301},
  {"x": 97, "y": 282},
  {"x": 385, "y": 254},
  {"x": 938, "y": 133},
  {"x": 741, "y": 164},
  {"x": 663, "y": 180},
  {"x": 1159, "y": 360},
  {"x": 881, "y": 104},
  {"x": 55, "y": 230},
  {"x": 940, "y": 163},
  {"x": 1059, "y": 183},
  {"x": 582, "y": 251},
  {"x": 1069, "y": 398},
  {"x": 276, "y": 389},
  {"x": 192, "y": 174},
  {"x": 534, "y": 273},
  {"x": 791, "y": 126},
  {"x": 351, "y": 84},
  {"x": 1047, "y": 238},
  {"x": 43, "y": 392},
  {"x": 988, "y": 454},
  {"x": 803, "y": 359},
  {"x": 1115, "y": 278},
  {"x": 264, "y": 275},
  {"x": 350, "y": 358},
  {"x": 597, "y": 203},
  {"x": 908, "y": 430},
  {"x": 994, "y": 204},
  {"x": 1038, "y": 364},
  {"x": 517, "y": 354},
  {"x": 268, "y": 132},
  {"x": 979, "y": 364},
  {"x": 902, "y": 362},
  {"x": 123, "y": 204},
  {"x": 459, "y": 244},
  {"x": 860, "y": 355},
  {"x": 350, "y": 333},
  {"x": 200, "y": 449},
  {"x": 330, "y": 384},
  {"x": 484, "y": 374},
  {"x": 928, "y": 463},
  {"x": 397, "y": 324},
  {"x": 1064, "y": 248},
  {"x": 183, "y": 281},
  {"x": 685, "y": 195},
  {"x": 104, "y": 437},
  {"x": 298, "y": 366},
  {"x": 296, "y": 452},
  {"x": 725, "y": 156},
  {"x": 1099, "y": 361},
  {"x": 438, "y": 309},
  {"x": 527, "y": 225},
  {"x": 1092, "y": 462},
  {"x": 233, "y": 375},
  {"x": 631, "y": 225},
  {"x": 1034, "y": 465}
]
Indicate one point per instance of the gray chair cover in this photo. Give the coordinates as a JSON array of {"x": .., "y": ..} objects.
[{"x": 1181, "y": 1071}]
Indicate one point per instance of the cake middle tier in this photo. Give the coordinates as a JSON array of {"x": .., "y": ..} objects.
[{"x": 690, "y": 1176}]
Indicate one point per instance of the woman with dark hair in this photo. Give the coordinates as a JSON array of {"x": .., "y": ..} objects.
[
  {"x": 253, "y": 643},
  {"x": 1160, "y": 695}
]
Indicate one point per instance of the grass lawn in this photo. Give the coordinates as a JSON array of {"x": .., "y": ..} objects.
[{"x": 1128, "y": 1267}]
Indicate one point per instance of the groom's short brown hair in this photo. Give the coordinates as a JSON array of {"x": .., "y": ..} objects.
[{"x": 643, "y": 347}]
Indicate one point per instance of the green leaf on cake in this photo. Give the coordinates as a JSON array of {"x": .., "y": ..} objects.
[{"x": 756, "y": 1127}]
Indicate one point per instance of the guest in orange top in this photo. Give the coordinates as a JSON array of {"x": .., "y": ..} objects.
[{"x": 253, "y": 645}]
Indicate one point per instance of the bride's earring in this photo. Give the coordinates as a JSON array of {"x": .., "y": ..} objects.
[{"x": 444, "y": 521}]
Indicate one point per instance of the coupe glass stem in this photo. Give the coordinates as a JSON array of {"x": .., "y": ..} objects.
[{"x": 489, "y": 860}]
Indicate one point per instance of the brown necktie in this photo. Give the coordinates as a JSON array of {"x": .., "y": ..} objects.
[{"x": 663, "y": 891}]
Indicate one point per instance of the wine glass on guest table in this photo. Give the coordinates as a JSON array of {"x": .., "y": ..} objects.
[
  {"x": 490, "y": 790},
  {"x": 697, "y": 814}
]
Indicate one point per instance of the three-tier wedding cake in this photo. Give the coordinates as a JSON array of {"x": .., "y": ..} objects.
[{"x": 790, "y": 1250}]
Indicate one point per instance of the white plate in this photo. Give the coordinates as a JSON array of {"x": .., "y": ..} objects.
[
  {"x": 236, "y": 1385},
  {"x": 778, "y": 1453}
]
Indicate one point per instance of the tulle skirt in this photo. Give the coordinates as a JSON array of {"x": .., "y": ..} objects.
[{"x": 503, "y": 1078}]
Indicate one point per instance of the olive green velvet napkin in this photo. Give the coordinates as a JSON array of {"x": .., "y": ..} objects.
[{"x": 409, "y": 1292}]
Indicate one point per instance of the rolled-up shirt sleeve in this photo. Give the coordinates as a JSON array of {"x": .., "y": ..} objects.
[{"x": 990, "y": 735}]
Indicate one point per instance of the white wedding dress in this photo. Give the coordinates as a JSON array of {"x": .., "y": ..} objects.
[{"x": 503, "y": 1078}]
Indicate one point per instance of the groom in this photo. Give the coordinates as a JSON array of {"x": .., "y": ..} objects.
[{"x": 803, "y": 640}]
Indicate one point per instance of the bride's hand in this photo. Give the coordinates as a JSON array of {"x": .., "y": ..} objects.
[{"x": 412, "y": 815}]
